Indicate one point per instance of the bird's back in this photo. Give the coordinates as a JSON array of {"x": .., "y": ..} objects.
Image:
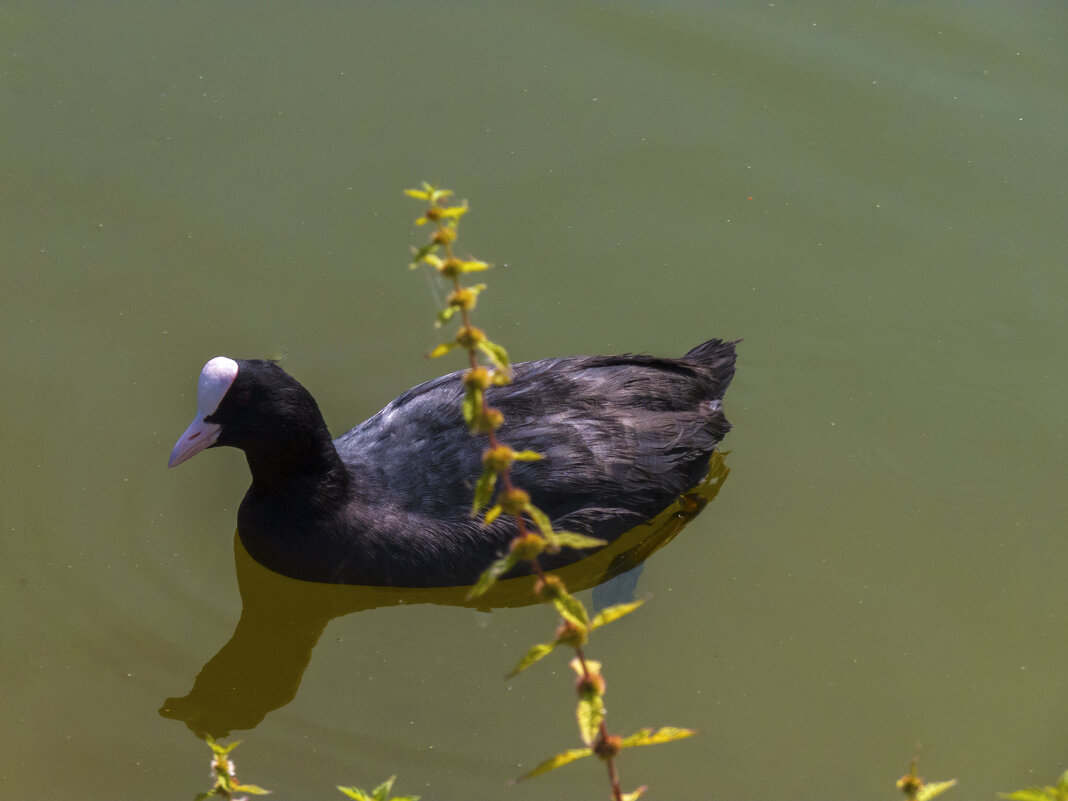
[{"x": 620, "y": 436}]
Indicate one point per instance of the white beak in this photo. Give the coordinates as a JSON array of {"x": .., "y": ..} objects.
[{"x": 200, "y": 435}]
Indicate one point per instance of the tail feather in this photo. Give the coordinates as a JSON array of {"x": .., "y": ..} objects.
[{"x": 716, "y": 358}]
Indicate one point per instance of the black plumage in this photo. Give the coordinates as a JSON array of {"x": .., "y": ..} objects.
[{"x": 388, "y": 503}]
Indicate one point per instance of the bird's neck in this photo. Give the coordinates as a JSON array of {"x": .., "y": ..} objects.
[{"x": 301, "y": 456}]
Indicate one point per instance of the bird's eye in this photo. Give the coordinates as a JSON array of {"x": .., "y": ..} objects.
[{"x": 243, "y": 397}]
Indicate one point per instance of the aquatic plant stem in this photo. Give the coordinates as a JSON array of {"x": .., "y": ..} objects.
[
  {"x": 505, "y": 477},
  {"x": 535, "y": 533},
  {"x": 472, "y": 360}
]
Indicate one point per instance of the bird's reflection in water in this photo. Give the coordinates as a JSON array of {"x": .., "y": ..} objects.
[{"x": 260, "y": 668}]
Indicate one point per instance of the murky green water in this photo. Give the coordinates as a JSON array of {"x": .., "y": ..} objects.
[{"x": 872, "y": 196}]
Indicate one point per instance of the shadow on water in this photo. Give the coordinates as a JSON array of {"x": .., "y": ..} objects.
[{"x": 260, "y": 668}]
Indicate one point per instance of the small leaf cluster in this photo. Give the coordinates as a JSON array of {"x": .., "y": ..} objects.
[
  {"x": 590, "y": 686},
  {"x": 576, "y": 626},
  {"x": 916, "y": 789},
  {"x": 380, "y": 793},
  {"x": 438, "y": 253},
  {"x": 481, "y": 418},
  {"x": 528, "y": 546},
  {"x": 224, "y": 775},
  {"x": 1047, "y": 793},
  {"x": 612, "y": 746}
]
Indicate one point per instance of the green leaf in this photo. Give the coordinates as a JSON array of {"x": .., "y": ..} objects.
[
  {"x": 496, "y": 354},
  {"x": 589, "y": 714},
  {"x": 205, "y": 795},
  {"x": 571, "y": 608},
  {"x": 250, "y": 788},
  {"x": 419, "y": 255},
  {"x": 1058, "y": 793},
  {"x": 558, "y": 761},
  {"x": 1032, "y": 794},
  {"x": 220, "y": 749},
  {"x": 446, "y": 314},
  {"x": 381, "y": 793},
  {"x": 492, "y": 514},
  {"x": 634, "y": 796},
  {"x": 492, "y": 573},
  {"x": 418, "y": 194},
  {"x": 442, "y": 349},
  {"x": 533, "y": 655},
  {"x": 931, "y": 789},
  {"x": 610, "y": 613},
  {"x": 572, "y": 539},
  {"x": 526, "y": 456},
  {"x": 483, "y": 492},
  {"x": 545, "y": 526},
  {"x": 592, "y": 666},
  {"x": 665, "y": 734},
  {"x": 472, "y": 407}
]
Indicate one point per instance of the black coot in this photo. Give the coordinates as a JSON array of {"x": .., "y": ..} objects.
[{"x": 389, "y": 502}]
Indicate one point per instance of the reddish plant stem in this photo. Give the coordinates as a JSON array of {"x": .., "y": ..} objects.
[
  {"x": 613, "y": 773},
  {"x": 506, "y": 480},
  {"x": 472, "y": 360}
]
